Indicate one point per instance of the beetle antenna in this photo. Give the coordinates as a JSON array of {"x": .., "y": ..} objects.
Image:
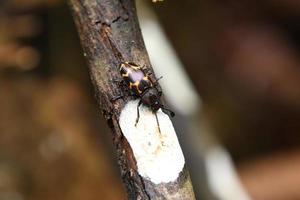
[
  {"x": 159, "y": 78},
  {"x": 169, "y": 111},
  {"x": 156, "y": 81}
]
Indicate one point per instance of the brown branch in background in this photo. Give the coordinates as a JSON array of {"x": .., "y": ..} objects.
[{"x": 109, "y": 33}]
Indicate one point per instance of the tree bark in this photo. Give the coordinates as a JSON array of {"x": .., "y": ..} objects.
[{"x": 110, "y": 34}]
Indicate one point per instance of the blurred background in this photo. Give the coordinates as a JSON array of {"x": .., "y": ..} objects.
[{"x": 242, "y": 58}]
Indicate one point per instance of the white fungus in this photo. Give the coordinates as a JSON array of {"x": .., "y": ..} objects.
[{"x": 158, "y": 154}]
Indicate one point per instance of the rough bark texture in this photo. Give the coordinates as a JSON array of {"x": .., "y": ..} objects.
[{"x": 109, "y": 33}]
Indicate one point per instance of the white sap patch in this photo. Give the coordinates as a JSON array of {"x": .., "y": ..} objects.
[{"x": 158, "y": 155}]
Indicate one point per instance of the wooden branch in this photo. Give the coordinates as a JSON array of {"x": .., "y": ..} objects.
[{"x": 152, "y": 164}]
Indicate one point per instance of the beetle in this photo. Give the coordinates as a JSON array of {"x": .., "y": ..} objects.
[{"x": 141, "y": 85}]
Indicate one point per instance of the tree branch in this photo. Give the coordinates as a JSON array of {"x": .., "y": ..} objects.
[{"x": 152, "y": 164}]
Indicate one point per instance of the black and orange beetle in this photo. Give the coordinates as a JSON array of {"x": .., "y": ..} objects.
[{"x": 141, "y": 85}]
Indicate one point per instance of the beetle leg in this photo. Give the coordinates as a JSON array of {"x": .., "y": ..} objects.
[
  {"x": 158, "y": 90},
  {"x": 138, "y": 112},
  {"x": 154, "y": 82},
  {"x": 145, "y": 69},
  {"x": 115, "y": 98},
  {"x": 157, "y": 122}
]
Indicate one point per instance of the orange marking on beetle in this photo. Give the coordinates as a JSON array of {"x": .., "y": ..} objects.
[
  {"x": 130, "y": 85},
  {"x": 131, "y": 65},
  {"x": 136, "y": 68},
  {"x": 136, "y": 85}
]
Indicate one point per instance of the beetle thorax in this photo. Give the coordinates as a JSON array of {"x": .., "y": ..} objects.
[{"x": 151, "y": 98}]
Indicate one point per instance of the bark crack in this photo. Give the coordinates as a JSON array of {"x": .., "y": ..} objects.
[{"x": 108, "y": 24}]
